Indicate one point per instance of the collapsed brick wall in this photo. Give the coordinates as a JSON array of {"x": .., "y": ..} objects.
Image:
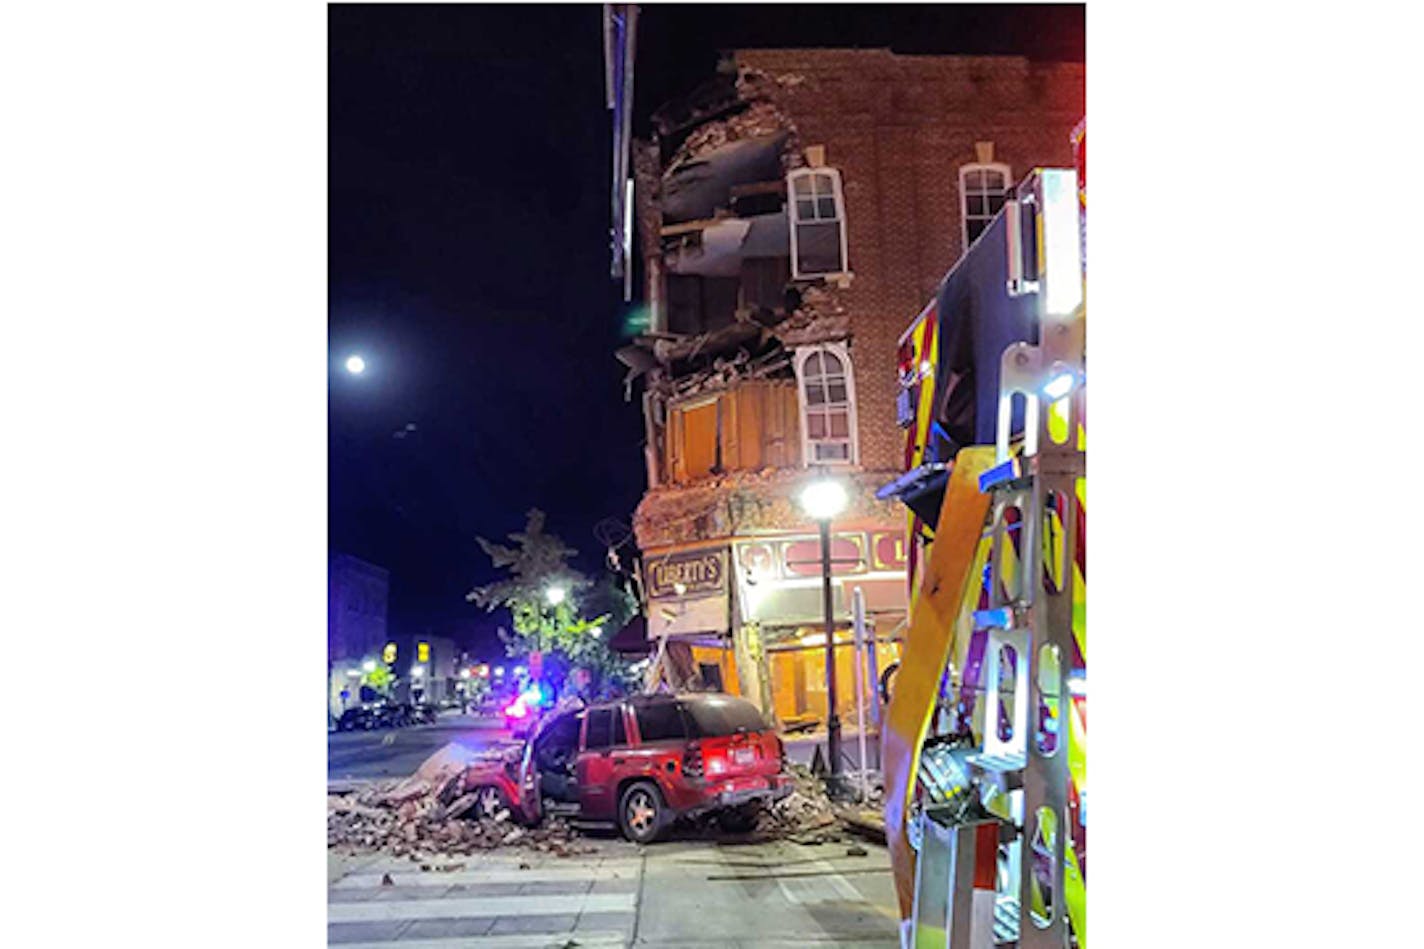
[{"x": 748, "y": 503}]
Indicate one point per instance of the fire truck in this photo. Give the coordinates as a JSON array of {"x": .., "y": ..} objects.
[{"x": 985, "y": 738}]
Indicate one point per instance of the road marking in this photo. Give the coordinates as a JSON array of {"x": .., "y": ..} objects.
[
  {"x": 600, "y": 939},
  {"x": 438, "y": 878},
  {"x": 474, "y": 908},
  {"x": 830, "y": 888}
]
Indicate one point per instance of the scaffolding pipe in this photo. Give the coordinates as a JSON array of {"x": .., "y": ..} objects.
[{"x": 858, "y": 616}]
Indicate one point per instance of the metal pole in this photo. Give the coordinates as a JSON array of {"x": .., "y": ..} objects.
[
  {"x": 833, "y": 722},
  {"x": 874, "y": 677},
  {"x": 858, "y": 614}
]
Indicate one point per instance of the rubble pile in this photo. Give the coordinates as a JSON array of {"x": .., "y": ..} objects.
[
  {"x": 427, "y": 814},
  {"x": 822, "y": 315},
  {"x": 805, "y": 816},
  {"x": 757, "y": 120}
]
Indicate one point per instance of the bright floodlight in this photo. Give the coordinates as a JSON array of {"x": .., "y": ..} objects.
[
  {"x": 555, "y": 595},
  {"x": 369, "y": 665},
  {"x": 1059, "y": 386},
  {"x": 355, "y": 365},
  {"x": 823, "y": 499}
]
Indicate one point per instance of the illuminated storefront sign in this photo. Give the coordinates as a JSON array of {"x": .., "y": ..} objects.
[
  {"x": 851, "y": 553},
  {"x": 687, "y": 574},
  {"x": 778, "y": 577}
]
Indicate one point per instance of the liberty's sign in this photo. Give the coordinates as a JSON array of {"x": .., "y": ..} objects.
[{"x": 688, "y": 573}]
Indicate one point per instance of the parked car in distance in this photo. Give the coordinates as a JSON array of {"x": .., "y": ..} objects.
[
  {"x": 641, "y": 763},
  {"x": 356, "y": 719}
]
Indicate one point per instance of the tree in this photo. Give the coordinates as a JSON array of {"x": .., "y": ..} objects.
[{"x": 537, "y": 563}]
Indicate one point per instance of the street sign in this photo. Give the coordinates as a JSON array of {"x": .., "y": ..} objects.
[{"x": 388, "y": 655}]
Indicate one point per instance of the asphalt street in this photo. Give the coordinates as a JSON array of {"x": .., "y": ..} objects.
[{"x": 397, "y": 752}]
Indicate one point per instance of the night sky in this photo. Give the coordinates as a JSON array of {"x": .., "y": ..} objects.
[{"x": 469, "y": 164}]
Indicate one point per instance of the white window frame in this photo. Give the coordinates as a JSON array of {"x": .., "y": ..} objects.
[
  {"x": 841, "y": 352},
  {"x": 964, "y": 171},
  {"x": 793, "y": 218}
]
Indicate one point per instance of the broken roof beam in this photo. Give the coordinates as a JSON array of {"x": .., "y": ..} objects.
[
  {"x": 713, "y": 99},
  {"x": 689, "y": 227},
  {"x": 759, "y": 187}
]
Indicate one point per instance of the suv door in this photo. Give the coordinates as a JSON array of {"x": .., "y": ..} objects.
[
  {"x": 554, "y": 751},
  {"x": 604, "y": 732}
]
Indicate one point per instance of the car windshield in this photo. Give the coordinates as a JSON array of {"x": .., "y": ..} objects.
[{"x": 722, "y": 715}]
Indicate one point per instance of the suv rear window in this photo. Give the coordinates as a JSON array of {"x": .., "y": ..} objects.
[
  {"x": 660, "y": 722},
  {"x": 723, "y": 716}
]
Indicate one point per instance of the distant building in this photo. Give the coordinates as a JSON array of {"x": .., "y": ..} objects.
[
  {"x": 789, "y": 213},
  {"x": 356, "y": 632},
  {"x": 426, "y": 668}
]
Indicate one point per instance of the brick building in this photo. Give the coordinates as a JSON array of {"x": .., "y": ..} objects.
[
  {"x": 357, "y": 594},
  {"x": 793, "y": 215}
]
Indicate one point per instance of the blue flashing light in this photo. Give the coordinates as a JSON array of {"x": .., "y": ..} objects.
[
  {"x": 1001, "y": 618},
  {"x": 998, "y": 474}
]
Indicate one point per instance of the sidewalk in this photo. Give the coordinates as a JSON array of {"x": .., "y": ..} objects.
[{"x": 679, "y": 893}]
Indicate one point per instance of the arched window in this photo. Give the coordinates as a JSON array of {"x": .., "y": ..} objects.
[
  {"x": 818, "y": 235},
  {"x": 982, "y": 191},
  {"x": 827, "y": 405}
]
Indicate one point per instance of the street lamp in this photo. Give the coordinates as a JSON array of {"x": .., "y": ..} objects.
[
  {"x": 822, "y": 500},
  {"x": 555, "y": 595},
  {"x": 355, "y": 365}
]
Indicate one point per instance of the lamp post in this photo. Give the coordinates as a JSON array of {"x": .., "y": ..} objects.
[{"x": 822, "y": 500}]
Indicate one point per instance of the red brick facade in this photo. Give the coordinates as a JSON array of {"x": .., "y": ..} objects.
[{"x": 899, "y": 128}]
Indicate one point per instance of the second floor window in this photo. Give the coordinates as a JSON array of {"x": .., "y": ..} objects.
[
  {"x": 828, "y": 405},
  {"x": 982, "y": 191},
  {"x": 818, "y": 237}
]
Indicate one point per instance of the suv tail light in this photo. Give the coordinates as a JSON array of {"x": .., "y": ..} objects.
[{"x": 692, "y": 760}]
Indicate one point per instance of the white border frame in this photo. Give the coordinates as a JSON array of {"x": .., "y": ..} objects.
[
  {"x": 792, "y": 219},
  {"x": 842, "y": 352},
  {"x": 964, "y": 197}
]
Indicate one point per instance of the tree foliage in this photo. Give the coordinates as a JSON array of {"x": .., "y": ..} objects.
[
  {"x": 536, "y": 562},
  {"x": 379, "y": 678}
]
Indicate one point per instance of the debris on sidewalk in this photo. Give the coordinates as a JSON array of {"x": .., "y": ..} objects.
[
  {"x": 804, "y": 816},
  {"x": 808, "y": 816},
  {"x": 426, "y": 815}
]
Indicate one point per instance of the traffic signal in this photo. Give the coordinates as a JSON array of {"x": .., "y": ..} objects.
[{"x": 388, "y": 655}]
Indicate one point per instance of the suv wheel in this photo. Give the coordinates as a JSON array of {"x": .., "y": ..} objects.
[
  {"x": 488, "y": 802},
  {"x": 641, "y": 813},
  {"x": 739, "y": 820}
]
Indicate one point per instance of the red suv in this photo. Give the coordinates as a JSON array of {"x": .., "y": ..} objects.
[{"x": 643, "y": 762}]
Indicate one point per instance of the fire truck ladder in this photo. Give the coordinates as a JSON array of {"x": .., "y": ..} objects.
[
  {"x": 1021, "y": 765},
  {"x": 1024, "y": 749}
]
